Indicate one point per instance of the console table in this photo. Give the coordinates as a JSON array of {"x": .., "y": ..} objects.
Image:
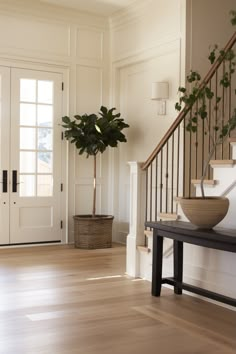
[{"x": 180, "y": 232}]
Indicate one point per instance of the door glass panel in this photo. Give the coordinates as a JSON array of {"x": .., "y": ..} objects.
[
  {"x": 45, "y": 114},
  {"x": 45, "y": 139},
  {"x": 44, "y": 162},
  {"x": 44, "y": 186},
  {"x": 27, "y": 114},
  {"x": 27, "y": 138},
  {"x": 27, "y": 90},
  {"x": 36, "y": 136},
  {"x": 27, "y": 162},
  {"x": 45, "y": 92},
  {"x": 27, "y": 185}
]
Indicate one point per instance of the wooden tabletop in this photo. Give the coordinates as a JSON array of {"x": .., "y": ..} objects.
[{"x": 218, "y": 238}]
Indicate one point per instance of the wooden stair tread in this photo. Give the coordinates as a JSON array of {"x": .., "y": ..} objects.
[
  {"x": 144, "y": 249},
  {"x": 232, "y": 140},
  {"x": 209, "y": 182},
  {"x": 148, "y": 233},
  {"x": 222, "y": 162},
  {"x": 170, "y": 216}
]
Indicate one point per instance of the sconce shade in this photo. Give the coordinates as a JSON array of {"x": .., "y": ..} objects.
[{"x": 160, "y": 90}]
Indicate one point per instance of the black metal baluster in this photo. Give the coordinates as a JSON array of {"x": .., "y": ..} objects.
[
  {"x": 172, "y": 173},
  {"x": 230, "y": 101},
  {"x": 167, "y": 173},
  {"x": 150, "y": 192},
  {"x": 216, "y": 108},
  {"x": 223, "y": 112},
  {"x": 156, "y": 188},
  {"x": 190, "y": 157},
  {"x": 184, "y": 162},
  {"x": 209, "y": 133},
  {"x": 203, "y": 144},
  {"x": 161, "y": 182},
  {"x": 196, "y": 147},
  {"x": 146, "y": 206},
  {"x": 178, "y": 159}
]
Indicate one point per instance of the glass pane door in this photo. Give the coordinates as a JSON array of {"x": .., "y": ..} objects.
[{"x": 34, "y": 162}]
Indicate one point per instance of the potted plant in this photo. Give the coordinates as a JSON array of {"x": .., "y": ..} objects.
[
  {"x": 92, "y": 134},
  {"x": 206, "y": 212}
]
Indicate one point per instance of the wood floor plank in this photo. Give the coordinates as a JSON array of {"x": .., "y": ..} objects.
[{"x": 62, "y": 300}]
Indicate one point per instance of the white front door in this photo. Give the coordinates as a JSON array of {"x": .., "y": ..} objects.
[{"x": 30, "y": 157}]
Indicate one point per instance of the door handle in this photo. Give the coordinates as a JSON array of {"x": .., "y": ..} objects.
[
  {"x": 14, "y": 181},
  {"x": 4, "y": 181}
]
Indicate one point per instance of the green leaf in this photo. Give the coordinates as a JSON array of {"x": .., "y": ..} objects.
[
  {"x": 233, "y": 19},
  {"x": 212, "y": 57},
  {"x": 182, "y": 89},
  {"x": 178, "y": 106},
  {"x": 66, "y": 119}
]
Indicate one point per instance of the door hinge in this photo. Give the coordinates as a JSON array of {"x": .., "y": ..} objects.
[
  {"x": 61, "y": 224},
  {"x": 62, "y": 86},
  {"x": 61, "y": 187},
  {"x": 62, "y": 135}
]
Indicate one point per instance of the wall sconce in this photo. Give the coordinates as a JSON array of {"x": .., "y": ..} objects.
[{"x": 160, "y": 92}]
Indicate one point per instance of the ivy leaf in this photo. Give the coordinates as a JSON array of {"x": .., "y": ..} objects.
[
  {"x": 178, "y": 106},
  {"x": 233, "y": 19},
  {"x": 212, "y": 57}
]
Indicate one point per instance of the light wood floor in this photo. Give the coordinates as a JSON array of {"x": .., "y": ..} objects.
[{"x": 61, "y": 300}]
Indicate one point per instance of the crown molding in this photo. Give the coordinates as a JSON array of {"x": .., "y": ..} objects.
[
  {"x": 132, "y": 13},
  {"x": 44, "y": 11}
]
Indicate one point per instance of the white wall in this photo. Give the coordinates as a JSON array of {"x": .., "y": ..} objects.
[
  {"x": 208, "y": 23},
  {"x": 147, "y": 45},
  {"x": 39, "y": 35}
]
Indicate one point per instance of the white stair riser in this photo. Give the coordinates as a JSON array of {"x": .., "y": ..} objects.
[
  {"x": 233, "y": 146},
  {"x": 225, "y": 177}
]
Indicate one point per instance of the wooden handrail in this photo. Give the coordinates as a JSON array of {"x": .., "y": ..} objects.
[{"x": 186, "y": 109}]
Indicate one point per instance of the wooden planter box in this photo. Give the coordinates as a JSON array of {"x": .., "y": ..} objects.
[{"x": 93, "y": 232}]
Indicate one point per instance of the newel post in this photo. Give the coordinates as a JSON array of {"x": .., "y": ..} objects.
[{"x": 137, "y": 218}]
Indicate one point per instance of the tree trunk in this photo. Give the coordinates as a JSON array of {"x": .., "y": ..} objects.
[{"x": 94, "y": 186}]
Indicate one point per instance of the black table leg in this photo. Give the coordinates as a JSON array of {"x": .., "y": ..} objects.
[
  {"x": 178, "y": 265},
  {"x": 157, "y": 263}
]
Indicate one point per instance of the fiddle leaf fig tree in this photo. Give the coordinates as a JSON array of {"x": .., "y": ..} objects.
[
  {"x": 92, "y": 134},
  {"x": 197, "y": 91}
]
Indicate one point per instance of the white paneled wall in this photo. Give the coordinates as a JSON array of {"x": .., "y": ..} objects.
[
  {"x": 42, "y": 37},
  {"x": 147, "y": 46}
]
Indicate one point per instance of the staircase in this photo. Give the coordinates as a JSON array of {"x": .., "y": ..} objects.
[
  {"x": 174, "y": 169},
  {"x": 222, "y": 184}
]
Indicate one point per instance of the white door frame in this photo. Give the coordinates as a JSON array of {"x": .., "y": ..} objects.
[{"x": 64, "y": 70}]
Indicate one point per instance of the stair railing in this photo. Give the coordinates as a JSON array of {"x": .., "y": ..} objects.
[{"x": 179, "y": 157}]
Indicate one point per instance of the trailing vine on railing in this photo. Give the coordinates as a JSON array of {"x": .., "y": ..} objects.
[{"x": 201, "y": 93}]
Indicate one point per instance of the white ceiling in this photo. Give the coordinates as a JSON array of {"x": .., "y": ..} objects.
[{"x": 100, "y": 7}]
